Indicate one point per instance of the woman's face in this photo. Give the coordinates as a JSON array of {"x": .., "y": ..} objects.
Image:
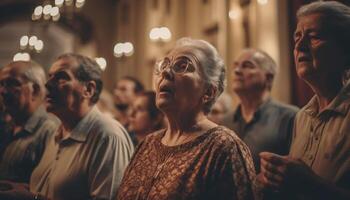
[
  {"x": 140, "y": 121},
  {"x": 317, "y": 55},
  {"x": 179, "y": 82}
]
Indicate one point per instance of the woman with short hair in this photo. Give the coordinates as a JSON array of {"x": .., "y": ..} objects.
[{"x": 192, "y": 158}]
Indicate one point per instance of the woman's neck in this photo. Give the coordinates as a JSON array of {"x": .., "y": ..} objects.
[{"x": 182, "y": 129}]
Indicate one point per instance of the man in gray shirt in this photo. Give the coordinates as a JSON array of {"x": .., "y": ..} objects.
[
  {"x": 22, "y": 88},
  {"x": 262, "y": 123},
  {"x": 87, "y": 156}
]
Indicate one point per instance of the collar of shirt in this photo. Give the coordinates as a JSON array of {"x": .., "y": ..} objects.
[
  {"x": 33, "y": 121},
  {"x": 340, "y": 104},
  {"x": 82, "y": 129},
  {"x": 238, "y": 115}
]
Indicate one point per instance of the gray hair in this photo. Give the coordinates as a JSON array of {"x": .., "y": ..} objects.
[
  {"x": 336, "y": 16},
  {"x": 264, "y": 60},
  {"x": 34, "y": 73},
  {"x": 87, "y": 70},
  {"x": 212, "y": 65}
]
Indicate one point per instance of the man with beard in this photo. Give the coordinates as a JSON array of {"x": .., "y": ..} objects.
[{"x": 22, "y": 88}]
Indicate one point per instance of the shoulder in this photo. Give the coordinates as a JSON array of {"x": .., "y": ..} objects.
[
  {"x": 108, "y": 128},
  {"x": 282, "y": 108},
  {"x": 51, "y": 121},
  {"x": 226, "y": 140},
  {"x": 152, "y": 137},
  {"x": 48, "y": 124}
]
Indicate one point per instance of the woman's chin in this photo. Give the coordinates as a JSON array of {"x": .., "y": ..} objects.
[{"x": 164, "y": 104}]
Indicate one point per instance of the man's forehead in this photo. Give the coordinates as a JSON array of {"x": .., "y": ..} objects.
[
  {"x": 63, "y": 64},
  {"x": 14, "y": 69},
  {"x": 245, "y": 56},
  {"x": 125, "y": 83}
]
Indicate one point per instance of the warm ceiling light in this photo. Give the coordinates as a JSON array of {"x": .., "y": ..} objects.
[
  {"x": 39, "y": 45},
  {"x": 32, "y": 40},
  {"x": 54, "y": 11},
  {"x": 263, "y": 2},
  {"x": 21, "y": 57},
  {"x": 233, "y": 14},
  {"x": 160, "y": 34},
  {"x": 47, "y": 9},
  {"x": 38, "y": 10},
  {"x": 101, "y": 62},
  {"x": 121, "y": 49},
  {"x": 24, "y": 41},
  {"x": 59, "y": 3}
]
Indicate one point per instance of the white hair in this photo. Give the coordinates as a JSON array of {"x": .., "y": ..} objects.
[
  {"x": 34, "y": 73},
  {"x": 212, "y": 65}
]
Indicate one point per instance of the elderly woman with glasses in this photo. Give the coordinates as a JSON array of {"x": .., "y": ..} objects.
[{"x": 192, "y": 158}]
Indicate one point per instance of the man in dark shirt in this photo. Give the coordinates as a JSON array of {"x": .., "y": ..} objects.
[
  {"x": 22, "y": 88},
  {"x": 262, "y": 123}
]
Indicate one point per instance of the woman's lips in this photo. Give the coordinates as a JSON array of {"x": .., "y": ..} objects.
[{"x": 304, "y": 59}]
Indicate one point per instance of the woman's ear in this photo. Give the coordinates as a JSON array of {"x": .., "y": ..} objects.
[
  {"x": 209, "y": 94},
  {"x": 90, "y": 89}
]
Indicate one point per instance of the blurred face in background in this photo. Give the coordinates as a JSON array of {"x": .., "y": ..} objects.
[
  {"x": 124, "y": 93},
  {"x": 247, "y": 76},
  {"x": 140, "y": 119},
  {"x": 16, "y": 91}
]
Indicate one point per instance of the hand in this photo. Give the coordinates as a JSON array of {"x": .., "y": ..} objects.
[
  {"x": 279, "y": 172},
  {"x": 15, "y": 191}
]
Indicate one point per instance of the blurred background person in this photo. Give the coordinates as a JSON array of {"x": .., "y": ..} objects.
[
  {"x": 6, "y": 126},
  {"x": 221, "y": 108},
  {"x": 318, "y": 166},
  {"x": 193, "y": 158},
  {"x": 261, "y": 122},
  {"x": 145, "y": 117},
  {"x": 23, "y": 92},
  {"x": 124, "y": 94},
  {"x": 106, "y": 105}
]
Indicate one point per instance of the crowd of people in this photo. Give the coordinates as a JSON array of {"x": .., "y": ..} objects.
[{"x": 63, "y": 137}]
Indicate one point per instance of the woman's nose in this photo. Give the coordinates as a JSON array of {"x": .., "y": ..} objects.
[
  {"x": 168, "y": 73},
  {"x": 237, "y": 70}
]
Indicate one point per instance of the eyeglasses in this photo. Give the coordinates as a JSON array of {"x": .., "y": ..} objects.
[{"x": 179, "y": 66}]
